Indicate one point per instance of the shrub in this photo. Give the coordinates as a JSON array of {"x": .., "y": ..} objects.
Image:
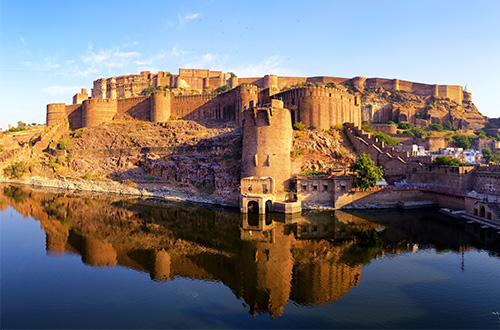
[
  {"x": 65, "y": 143},
  {"x": 435, "y": 127},
  {"x": 312, "y": 173},
  {"x": 390, "y": 122},
  {"x": 367, "y": 128},
  {"x": 222, "y": 89},
  {"x": 296, "y": 153},
  {"x": 129, "y": 183},
  {"x": 15, "y": 170},
  {"x": 446, "y": 160},
  {"x": 150, "y": 178},
  {"x": 449, "y": 126},
  {"x": 404, "y": 125},
  {"x": 385, "y": 138},
  {"x": 300, "y": 126},
  {"x": 418, "y": 132}
]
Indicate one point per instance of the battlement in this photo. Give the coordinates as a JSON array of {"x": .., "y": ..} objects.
[{"x": 100, "y": 101}]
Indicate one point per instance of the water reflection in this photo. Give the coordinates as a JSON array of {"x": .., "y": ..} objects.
[{"x": 266, "y": 260}]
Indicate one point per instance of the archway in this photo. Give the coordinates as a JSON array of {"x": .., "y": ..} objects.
[
  {"x": 253, "y": 207},
  {"x": 482, "y": 212},
  {"x": 269, "y": 205}
]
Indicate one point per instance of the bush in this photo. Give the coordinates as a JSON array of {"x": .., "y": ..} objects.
[
  {"x": 435, "y": 127},
  {"x": 65, "y": 143},
  {"x": 15, "y": 170},
  {"x": 385, "y": 138},
  {"x": 295, "y": 153},
  {"x": 446, "y": 160},
  {"x": 150, "y": 178},
  {"x": 300, "y": 126},
  {"x": 222, "y": 89},
  {"x": 367, "y": 128},
  {"x": 312, "y": 173},
  {"x": 418, "y": 132},
  {"x": 390, "y": 122},
  {"x": 404, "y": 125},
  {"x": 449, "y": 126}
]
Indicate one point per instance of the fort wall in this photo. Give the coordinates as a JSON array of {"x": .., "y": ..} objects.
[
  {"x": 55, "y": 113},
  {"x": 454, "y": 93},
  {"x": 74, "y": 115},
  {"x": 98, "y": 111},
  {"x": 321, "y": 107},
  {"x": 137, "y": 107}
]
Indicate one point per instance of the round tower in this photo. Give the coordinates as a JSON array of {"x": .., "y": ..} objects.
[
  {"x": 98, "y": 111},
  {"x": 55, "y": 112},
  {"x": 271, "y": 82},
  {"x": 160, "y": 106},
  {"x": 267, "y": 142}
]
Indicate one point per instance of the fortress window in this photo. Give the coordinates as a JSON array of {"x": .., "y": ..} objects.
[
  {"x": 293, "y": 101},
  {"x": 250, "y": 188},
  {"x": 342, "y": 188},
  {"x": 264, "y": 189},
  {"x": 315, "y": 186},
  {"x": 325, "y": 186},
  {"x": 330, "y": 94},
  {"x": 304, "y": 186}
]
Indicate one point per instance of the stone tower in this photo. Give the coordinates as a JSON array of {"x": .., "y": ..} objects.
[{"x": 267, "y": 142}]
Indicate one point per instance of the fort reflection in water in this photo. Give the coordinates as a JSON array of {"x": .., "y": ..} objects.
[{"x": 266, "y": 260}]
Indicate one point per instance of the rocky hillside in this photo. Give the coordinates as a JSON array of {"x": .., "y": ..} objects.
[
  {"x": 177, "y": 158},
  {"x": 380, "y": 105}
]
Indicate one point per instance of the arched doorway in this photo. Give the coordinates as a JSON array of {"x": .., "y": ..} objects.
[
  {"x": 253, "y": 207},
  {"x": 269, "y": 205},
  {"x": 482, "y": 211}
]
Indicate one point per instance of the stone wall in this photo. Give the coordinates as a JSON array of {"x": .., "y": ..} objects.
[
  {"x": 321, "y": 107},
  {"x": 136, "y": 107},
  {"x": 98, "y": 111}
]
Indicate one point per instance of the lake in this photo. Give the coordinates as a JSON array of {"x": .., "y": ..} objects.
[{"x": 89, "y": 261}]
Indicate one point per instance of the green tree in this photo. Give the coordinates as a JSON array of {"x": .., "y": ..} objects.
[
  {"x": 461, "y": 141},
  {"x": 486, "y": 154},
  {"x": 367, "y": 172},
  {"x": 418, "y": 132},
  {"x": 449, "y": 126},
  {"x": 495, "y": 158},
  {"x": 446, "y": 160}
]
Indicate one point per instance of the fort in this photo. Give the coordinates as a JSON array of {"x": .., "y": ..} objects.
[
  {"x": 266, "y": 108},
  {"x": 315, "y": 101}
]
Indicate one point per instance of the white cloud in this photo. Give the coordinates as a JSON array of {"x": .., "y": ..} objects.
[
  {"x": 184, "y": 18},
  {"x": 23, "y": 42},
  {"x": 61, "y": 90}
]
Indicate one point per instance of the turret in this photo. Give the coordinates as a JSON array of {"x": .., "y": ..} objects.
[
  {"x": 267, "y": 141},
  {"x": 55, "y": 112},
  {"x": 160, "y": 106}
]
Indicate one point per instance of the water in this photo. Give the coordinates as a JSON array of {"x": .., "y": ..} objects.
[{"x": 99, "y": 262}]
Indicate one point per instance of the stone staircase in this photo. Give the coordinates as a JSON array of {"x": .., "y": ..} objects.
[{"x": 495, "y": 209}]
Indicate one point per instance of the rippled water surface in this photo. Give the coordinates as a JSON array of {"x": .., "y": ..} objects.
[{"x": 84, "y": 261}]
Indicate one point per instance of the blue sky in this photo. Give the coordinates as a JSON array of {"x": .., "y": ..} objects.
[{"x": 49, "y": 50}]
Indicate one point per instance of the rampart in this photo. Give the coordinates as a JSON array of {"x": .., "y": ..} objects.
[
  {"x": 454, "y": 93},
  {"x": 320, "y": 106}
]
